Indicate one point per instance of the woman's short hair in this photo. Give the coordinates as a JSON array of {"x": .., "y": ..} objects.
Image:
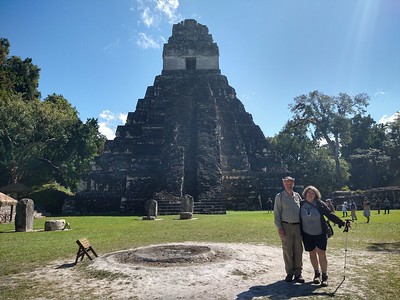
[{"x": 314, "y": 189}]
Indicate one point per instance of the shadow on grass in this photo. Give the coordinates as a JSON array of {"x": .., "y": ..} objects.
[
  {"x": 385, "y": 247},
  {"x": 283, "y": 290},
  {"x": 66, "y": 266}
]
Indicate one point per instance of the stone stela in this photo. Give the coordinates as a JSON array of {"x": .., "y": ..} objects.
[{"x": 189, "y": 135}]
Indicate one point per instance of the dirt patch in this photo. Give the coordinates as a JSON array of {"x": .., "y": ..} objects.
[
  {"x": 169, "y": 255},
  {"x": 235, "y": 271}
]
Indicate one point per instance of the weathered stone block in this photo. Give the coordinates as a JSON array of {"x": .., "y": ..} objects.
[
  {"x": 52, "y": 225},
  {"x": 24, "y": 215}
]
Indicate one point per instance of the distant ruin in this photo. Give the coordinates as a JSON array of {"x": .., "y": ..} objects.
[{"x": 191, "y": 135}]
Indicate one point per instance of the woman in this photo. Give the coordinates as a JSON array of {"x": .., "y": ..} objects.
[
  {"x": 367, "y": 210},
  {"x": 313, "y": 227},
  {"x": 344, "y": 209}
]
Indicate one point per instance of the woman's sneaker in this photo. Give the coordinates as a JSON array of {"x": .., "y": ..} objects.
[
  {"x": 324, "y": 280},
  {"x": 317, "y": 278},
  {"x": 299, "y": 279}
]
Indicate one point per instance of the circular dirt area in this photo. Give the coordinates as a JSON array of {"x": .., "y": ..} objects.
[{"x": 168, "y": 255}]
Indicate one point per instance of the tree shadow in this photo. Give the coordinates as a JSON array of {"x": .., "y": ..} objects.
[
  {"x": 283, "y": 290},
  {"x": 385, "y": 247}
]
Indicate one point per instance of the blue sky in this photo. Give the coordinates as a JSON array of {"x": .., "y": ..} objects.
[{"x": 102, "y": 54}]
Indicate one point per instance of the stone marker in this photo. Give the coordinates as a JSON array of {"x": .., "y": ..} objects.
[
  {"x": 187, "y": 206},
  {"x": 24, "y": 215},
  {"x": 151, "y": 208},
  {"x": 52, "y": 225}
]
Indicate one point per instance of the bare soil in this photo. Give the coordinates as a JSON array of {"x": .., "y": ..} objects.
[{"x": 236, "y": 271}]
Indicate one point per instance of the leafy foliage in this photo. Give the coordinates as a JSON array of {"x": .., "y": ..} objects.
[
  {"x": 40, "y": 141},
  {"x": 329, "y": 118}
]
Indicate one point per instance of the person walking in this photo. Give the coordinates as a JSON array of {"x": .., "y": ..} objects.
[
  {"x": 314, "y": 228},
  {"x": 378, "y": 205},
  {"x": 353, "y": 208},
  {"x": 287, "y": 221},
  {"x": 386, "y": 206},
  {"x": 367, "y": 210},
  {"x": 269, "y": 205},
  {"x": 344, "y": 209}
]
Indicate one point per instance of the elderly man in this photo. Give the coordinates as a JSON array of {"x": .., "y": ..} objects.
[{"x": 287, "y": 221}]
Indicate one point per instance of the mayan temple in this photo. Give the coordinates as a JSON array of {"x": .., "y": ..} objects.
[{"x": 190, "y": 134}]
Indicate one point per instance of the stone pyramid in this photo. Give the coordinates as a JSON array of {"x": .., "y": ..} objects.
[{"x": 190, "y": 134}]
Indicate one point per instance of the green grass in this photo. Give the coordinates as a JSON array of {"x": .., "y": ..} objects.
[{"x": 25, "y": 251}]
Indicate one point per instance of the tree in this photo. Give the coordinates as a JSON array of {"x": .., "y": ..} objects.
[
  {"x": 304, "y": 157},
  {"x": 16, "y": 75},
  {"x": 45, "y": 141},
  {"x": 40, "y": 141},
  {"x": 367, "y": 154},
  {"x": 365, "y": 133},
  {"x": 328, "y": 118},
  {"x": 393, "y": 147}
]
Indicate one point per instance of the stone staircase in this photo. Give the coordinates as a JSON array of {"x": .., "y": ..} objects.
[
  {"x": 202, "y": 207},
  {"x": 166, "y": 208},
  {"x": 210, "y": 207}
]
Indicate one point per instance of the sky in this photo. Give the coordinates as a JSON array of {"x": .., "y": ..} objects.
[{"x": 101, "y": 55}]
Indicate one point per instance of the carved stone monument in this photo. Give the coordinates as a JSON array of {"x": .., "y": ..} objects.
[
  {"x": 151, "y": 208},
  {"x": 187, "y": 207},
  {"x": 24, "y": 215},
  {"x": 190, "y": 134}
]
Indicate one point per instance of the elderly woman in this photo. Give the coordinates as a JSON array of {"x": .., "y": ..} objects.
[{"x": 313, "y": 227}]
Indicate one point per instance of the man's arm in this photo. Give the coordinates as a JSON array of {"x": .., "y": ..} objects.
[{"x": 278, "y": 214}]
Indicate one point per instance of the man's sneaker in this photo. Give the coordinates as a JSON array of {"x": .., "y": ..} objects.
[
  {"x": 317, "y": 278},
  {"x": 324, "y": 280},
  {"x": 289, "y": 278},
  {"x": 299, "y": 279}
]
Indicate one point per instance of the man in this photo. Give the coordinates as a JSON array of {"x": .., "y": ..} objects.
[
  {"x": 287, "y": 221},
  {"x": 386, "y": 205}
]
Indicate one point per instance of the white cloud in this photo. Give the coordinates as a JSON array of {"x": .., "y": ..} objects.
[
  {"x": 379, "y": 93},
  {"x": 107, "y": 115},
  {"x": 168, "y": 8},
  {"x": 122, "y": 117},
  {"x": 107, "y": 131},
  {"x": 109, "y": 121},
  {"x": 147, "y": 17},
  {"x": 388, "y": 119},
  {"x": 152, "y": 14},
  {"x": 147, "y": 42}
]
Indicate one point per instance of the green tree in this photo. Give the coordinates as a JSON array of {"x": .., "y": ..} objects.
[
  {"x": 328, "y": 118},
  {"x": 311, "y": 163},
  {"x": 45, "y": 141},
  {"x": 369, "y": 168},
  {"x": 16, "y": 75},
  {"x": 367, "y": 154},
  {"x": 393, "y": 149},
  {"x": 40, "y": 141}
]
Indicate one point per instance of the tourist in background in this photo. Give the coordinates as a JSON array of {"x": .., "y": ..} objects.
[
  {"x": 313, "y": 226},
  {"x": 353, "y": 208},
  {"x": 269, "y": 205},
  {"x": 367, "y": 209},
  {"x": 386, "y": 205},
  {"x": 287, "y": 221},
  {"x": 344, "y": 209},
  {"x": 378, "y": 205}
]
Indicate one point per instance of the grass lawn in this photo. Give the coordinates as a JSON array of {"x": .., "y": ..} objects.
[{"x": 24, "y": 251}]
